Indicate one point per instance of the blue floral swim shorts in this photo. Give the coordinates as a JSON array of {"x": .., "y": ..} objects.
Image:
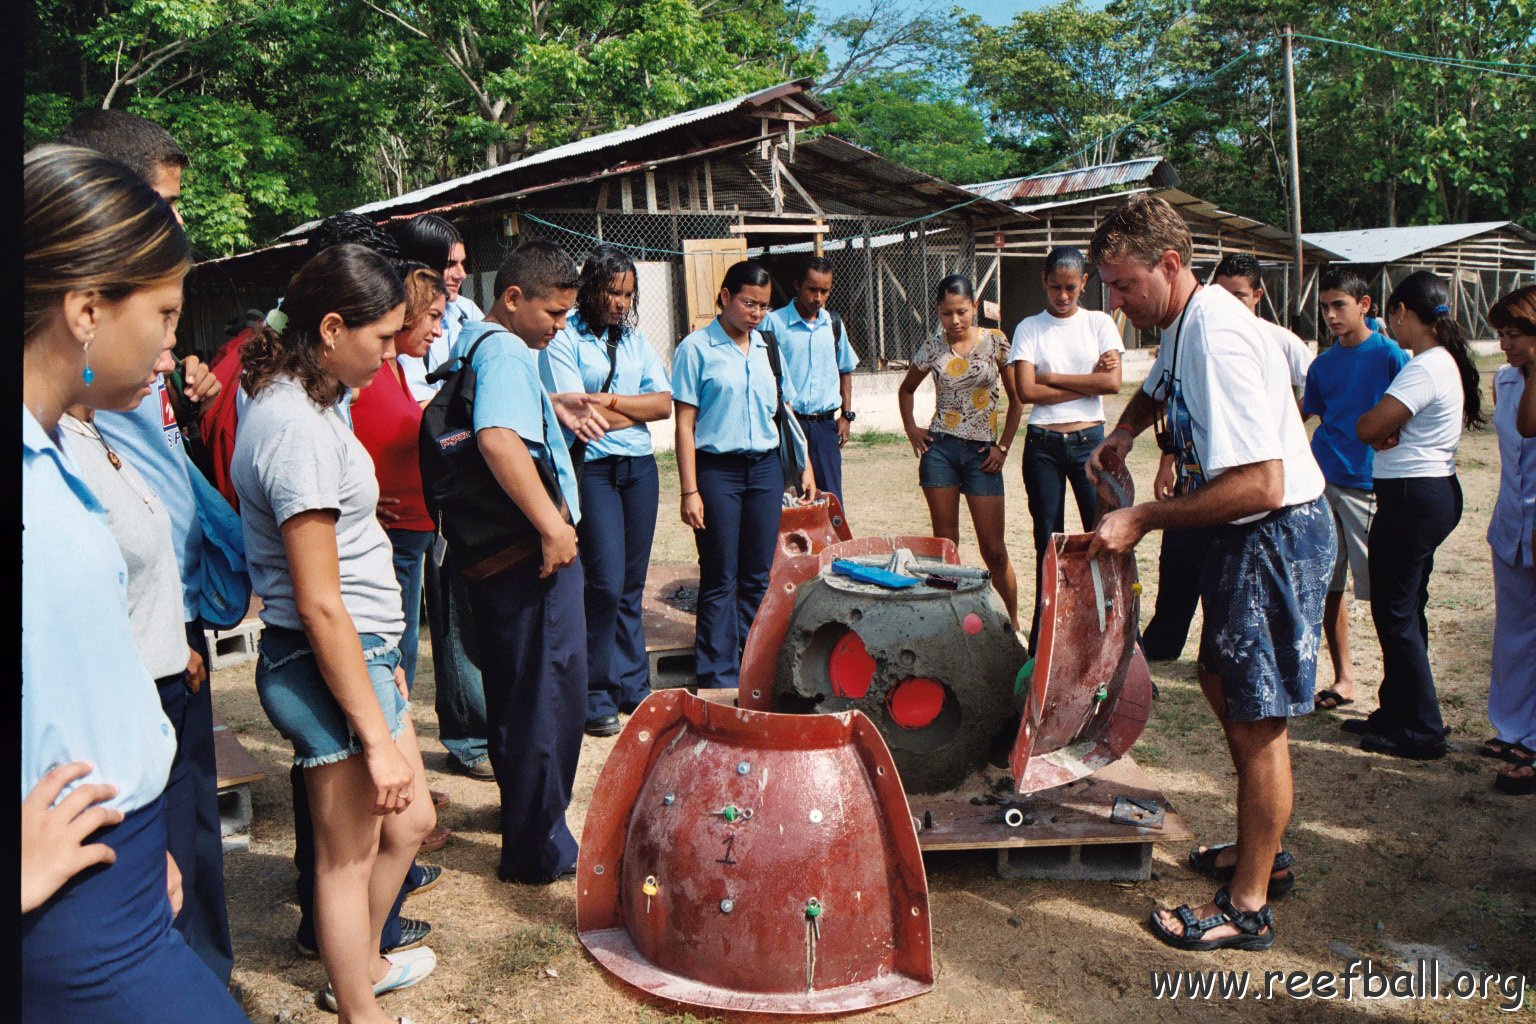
[{"x": 1263, "y": 589}]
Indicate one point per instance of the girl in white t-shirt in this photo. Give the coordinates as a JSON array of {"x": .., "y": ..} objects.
[
  {"x": 1063, "y": 360},
  {"x": 1415, "y": 429}
]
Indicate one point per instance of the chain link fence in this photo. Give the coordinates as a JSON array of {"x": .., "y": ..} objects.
[{"x": 884, "y": 270}]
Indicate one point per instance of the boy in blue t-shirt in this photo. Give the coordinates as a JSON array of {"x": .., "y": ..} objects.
[
  {"x": 1346, "y": 380},
  {"x": 531, "y": 618}
]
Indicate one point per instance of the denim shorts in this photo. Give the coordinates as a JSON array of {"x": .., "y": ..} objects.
[
  {"x": 1262, "y": 587},
  {"x": 295, "y": 697},
  {"x": 952, "y": 461}
]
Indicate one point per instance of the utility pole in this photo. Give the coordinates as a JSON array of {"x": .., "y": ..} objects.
[{"x": 1294, "y": 314}]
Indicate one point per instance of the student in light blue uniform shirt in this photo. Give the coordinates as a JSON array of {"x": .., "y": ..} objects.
[
  {"x": 728, "y": 466},
  {"x": 619, "y": 484},
  {"x": 97, "y": 942},
  {"x": 531, "y": 619},
  {"x": 460, "y": 693},
  {"x": 820, "y": 362},
  {"x": 147, "y": 437},
  {"x": 1512, "y": 677}
]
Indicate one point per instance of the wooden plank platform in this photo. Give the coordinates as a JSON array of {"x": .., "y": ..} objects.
[
  {"x": 669, "y": 630},
  {"x": 1070, "y": 815},
  {"x": 667, "y": 627},
  {"x": 234, "y": 764}
]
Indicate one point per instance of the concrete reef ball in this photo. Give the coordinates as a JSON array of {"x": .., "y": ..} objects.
[{"x": 933, "y": 669}]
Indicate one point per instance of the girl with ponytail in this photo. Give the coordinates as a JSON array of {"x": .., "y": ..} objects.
[{"x": 1415, "y": 429}]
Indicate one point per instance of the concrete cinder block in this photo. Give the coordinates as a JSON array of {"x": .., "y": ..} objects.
[
  {"x": 235, "y": 810},
  {"x": 233, "y": 646},
  {"x": 1085, "y": 862},
  {"x": 673, "y": 668}
]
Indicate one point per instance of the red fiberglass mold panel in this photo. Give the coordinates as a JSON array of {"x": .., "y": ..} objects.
[
  {"x": 1091, "y": 691},
  {"x": 760, "y": 658},
  {"x": 808, "y": 529},
  {"x": 751, "y": 861}
]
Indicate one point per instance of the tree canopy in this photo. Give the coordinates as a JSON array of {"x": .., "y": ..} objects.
[{"x": 293, "y": 109}]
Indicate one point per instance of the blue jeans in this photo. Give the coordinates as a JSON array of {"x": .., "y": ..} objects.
[
  {"x": 619, "y": 496},
  {"x": 743, "y": 495},
  {"x": 297, "y": 700},
  {"x": 410, "y": 546},
  {"x": 952, "y": 461},
  {"x": 461, "y": 720},
  {"x": 1052, "y": 459}
]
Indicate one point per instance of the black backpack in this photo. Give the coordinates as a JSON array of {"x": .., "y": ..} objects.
[{"x": 485, "y": 531}]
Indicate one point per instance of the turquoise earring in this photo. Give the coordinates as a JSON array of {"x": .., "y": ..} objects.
[{"x": 88, "y": 375}]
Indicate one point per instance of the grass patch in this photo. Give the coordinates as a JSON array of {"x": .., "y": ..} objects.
[
  {"x": 534, "y": 947},
  {"x": 653, "y": 1017},
  {"x": 875, "y": 438}
]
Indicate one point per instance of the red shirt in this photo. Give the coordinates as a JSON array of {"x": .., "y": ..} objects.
[{"x": 387, "y": 420}]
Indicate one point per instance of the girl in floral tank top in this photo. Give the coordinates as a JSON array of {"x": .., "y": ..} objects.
[{"x": 959, "y": 452}]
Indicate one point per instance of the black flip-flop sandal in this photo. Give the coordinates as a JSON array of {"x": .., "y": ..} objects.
[
  {"x": 1497, "y": 749},
  {"x": 1204, "y": 862},
  {"x": 1249, "y": 923},
  {"x": 1334, "y": 700},
  {"x": 1523, "y": 785}
]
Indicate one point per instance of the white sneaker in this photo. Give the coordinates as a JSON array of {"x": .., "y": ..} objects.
[{"x": 407, "y": 968}]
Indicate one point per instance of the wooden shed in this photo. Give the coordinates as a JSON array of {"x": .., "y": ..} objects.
[
  {"x": 686, "y": 196},
  {"x": 1484, "y": 261},
  {"x": 1065, "y": 208}
]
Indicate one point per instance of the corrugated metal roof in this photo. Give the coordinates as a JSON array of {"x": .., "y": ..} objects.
[
  {"x": 867, "y": 165},
  {"x": 1190, "y": 204},
  {"x": 1389, "y": 245},
  {"x": 1082, "y": 179},
  {"x": 591, "y": 144}
]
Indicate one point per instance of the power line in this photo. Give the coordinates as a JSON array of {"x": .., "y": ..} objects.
[
  {"x": 1262, "y": 50},
  {"x": 1464, "y": 63}
]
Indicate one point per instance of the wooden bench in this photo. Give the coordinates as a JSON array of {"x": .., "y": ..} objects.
[{"x": 236, "y": 770}]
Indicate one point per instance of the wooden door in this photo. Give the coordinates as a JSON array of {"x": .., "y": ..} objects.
[{"x": 705, "y": 261}]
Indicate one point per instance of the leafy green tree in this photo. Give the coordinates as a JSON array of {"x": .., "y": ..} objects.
[
  {"x": 1433, "y": 142},
  {"x": 546, "y": 73},
  {"x": 1066, "y": 80},
  {"x": 910, "y": 119}
]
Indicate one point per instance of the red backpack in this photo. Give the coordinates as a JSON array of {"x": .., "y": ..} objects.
[{"x": 220, "y": 420}]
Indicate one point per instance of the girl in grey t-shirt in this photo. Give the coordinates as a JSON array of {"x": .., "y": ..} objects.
[{"x": 329, "y": 674}]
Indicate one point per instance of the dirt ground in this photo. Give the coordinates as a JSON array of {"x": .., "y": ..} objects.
[{"x": 1396, "y": 860}]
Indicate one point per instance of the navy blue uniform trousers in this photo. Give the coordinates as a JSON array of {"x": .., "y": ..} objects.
[
  {"x": 192, "y": 815},
  {"x": 1180, "y": 561},
  {"x": 534, "y": 663},
  {"x": 619, "y": 495},
  {"x": 102, "y": 949},
  {"x": 743, "y": 494},
  {"x": 826, "y": 456}
]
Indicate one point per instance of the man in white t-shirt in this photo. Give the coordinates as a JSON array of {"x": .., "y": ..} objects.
[
  {"x": 1182, "y": 553},
  {"x": 1248, "y": 475}
]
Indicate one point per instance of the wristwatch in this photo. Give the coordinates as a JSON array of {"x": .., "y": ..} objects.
[{"x": 850, "y": 415}]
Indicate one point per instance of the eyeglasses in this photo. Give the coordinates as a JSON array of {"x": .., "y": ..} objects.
[{"x": 753, "y": 306}]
